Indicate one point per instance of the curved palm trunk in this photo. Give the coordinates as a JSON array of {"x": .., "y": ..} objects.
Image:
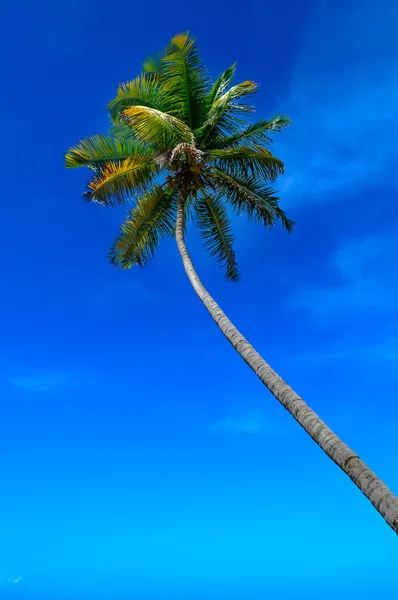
[{"x": 370, "y": 485}]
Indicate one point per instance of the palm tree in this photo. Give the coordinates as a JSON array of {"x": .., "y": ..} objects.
[{"x": 185, "y": 149}]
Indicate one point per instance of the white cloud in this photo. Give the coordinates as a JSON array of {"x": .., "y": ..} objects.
[
  {"x": 367, "y": 295},
  {"x": 385, "y": 351},
  {"x": 44, "y": 381},
  {"x": 357, "y": 257},
  {"x": 367, "y": 283},
  {"x": 6, "y": 579},
  {"x": 253, "y": 423},
  {"x": 342, "y": 135}
]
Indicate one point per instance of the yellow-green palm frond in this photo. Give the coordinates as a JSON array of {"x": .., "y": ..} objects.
[
  {"x": 123, "y": 132},
  {"x": 143, "y": 91},
  {"x": 153, "y": 64},
  {"x": 225, "y": 114},
  {"x": 115, "y": 183},
  {"x": 221, "y": 84},
  {"x": 243, "y": 160},
  {"x": 236, "y": 92},
  {"x": 251, "y": 196},
  {"x": 94, "y": 151},
  {"x": 157, "y": 128},
  {"x": 185, "y": 81},
  {"x": 256, "y": 133},
  {"x": 146, "y": 225},
  {"x": 216, "y": 231}
]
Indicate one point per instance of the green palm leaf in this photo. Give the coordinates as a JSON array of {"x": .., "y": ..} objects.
[
  {"x": 216, "y": 231},
  {"x": 185, "y": 81},
  {"x": 243, "y": 161},
  {"x": 225, "y": 114},
  {"x": 222, "y": 84},
  {"x": 94, "y": 151},
  {"x": 172, "y": 119},
  {"x": 153, "y": 64},
  {"x": 241, "y": 90},
  {"x": 122, "y": 131},
  {"x": 157, "y": 128},
  {"x": 115, "y": 183},
  {"x": 248, "y": 195},
  {"x": 143, "y": 91},
  {"x": 146, "y": 225},
  {"x": 257, "y": 133}
]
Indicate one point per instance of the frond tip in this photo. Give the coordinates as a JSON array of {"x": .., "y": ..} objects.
[
  {"x": 244, "y": 160},
  {"x": 143, "y": 90},
  {"x": 98, "y": 150},
  {"x": 185, "y": 81},
  {"x": 250, "y": 196},
  {"x": 115, "y": 183},
  {"x": 146, "y": 225},
  {"x": 256, "y": 133},
  {"x": 216, "y": 231}
]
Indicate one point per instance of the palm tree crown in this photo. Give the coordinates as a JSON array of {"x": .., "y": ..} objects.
[
  {"x": 181, "y": 145},
  {"x": 175, "y": 133}
]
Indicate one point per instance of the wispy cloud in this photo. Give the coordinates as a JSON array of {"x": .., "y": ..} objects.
[
  {"x": 44, "y": 381},
  {"x": 6, "y": 579},
  {"x": 344, "y": 118},
  {"x": 253, "y": 423},
  {"x": 124, "y": 285},
  {"x": 346, "y": 349},
  {"x": 366, "y": 280}
]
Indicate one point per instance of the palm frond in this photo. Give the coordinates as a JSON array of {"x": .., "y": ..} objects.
[
  {"x": 248, "y": 195},
  {"x": 221, "y": 84},
  {"x": 185, "y": 81},
  {"x": 256, "y": 133},
  {"x": 216, "y": 231},
  {"x": 225, "y": 114},
  {"x": 115, "y": 183},
  {"x": 157, "y": 128},
  {"x": 243, "y": 160},
  {"x": 94, "y": 151},
  {"x": 241, "y": 90},
  {"x": 153, "y": 64},
  {"x": 143, "y": 91},
  {"x": 122, "y": 131},
  {"x": 172, "y": 117},
  {"x": 146, "y": 225}
]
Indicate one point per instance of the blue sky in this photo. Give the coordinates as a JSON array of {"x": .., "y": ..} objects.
[{"x": 139, "y": 455}]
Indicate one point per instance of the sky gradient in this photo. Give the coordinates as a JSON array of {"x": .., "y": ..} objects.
[{"x": 139, "y": 454}]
